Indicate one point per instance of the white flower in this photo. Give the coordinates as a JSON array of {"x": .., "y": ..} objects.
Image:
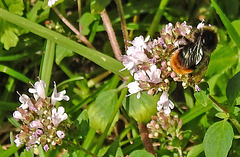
[
  {"x": 38, "y": 90},
  {"x": 17, "y": 141},
  {"x": 133, "y": 87},
  {"x": 165, "y": 104},
  {"x": 60, "y": 134},
  {"x": 17, "y": 115},
  {"x": 51, "y": 2},
  {"x": 25, "y": 100},
  {"x": 154, "y": 74},
  {"x": 130, "y": 63},
  {"x": 58, "y": 96},
  {"x": 168, "y": 29},
  {"x": 58, "y": 116}
]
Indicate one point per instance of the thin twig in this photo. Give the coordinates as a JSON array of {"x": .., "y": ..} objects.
[
  {"x": 79, "y": 15},
  {"x": 145, "y": 139},
  {"x": 111, "y": 35},
  {"x": 82, "y": 37},
  {"x": 218, "y": 104},
  {"x": 123, "y": 22}
]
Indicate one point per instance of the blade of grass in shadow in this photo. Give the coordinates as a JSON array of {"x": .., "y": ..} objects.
[
  {"x": 230, "y": 29},
  {"x": 101, "y": 59},
  {"x": 13, "y": 73},
  {"x": 157, "y": 17},
  {"x": 47, "y": 63}
]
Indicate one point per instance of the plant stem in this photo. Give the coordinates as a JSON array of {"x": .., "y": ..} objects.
[
  {"x": 157, "y": 17},
  {"x": 111, "y": 35},
  {"x": 82, "y": 37},
  {"x": 145, "y": 139},
  {"x": 123, "y": 22},
  {"x": 79, "y": 15},
  {"x": 235, "y": 122},
  {"x": 218, "y": 104},
  {"x": 232, "y": 117}
]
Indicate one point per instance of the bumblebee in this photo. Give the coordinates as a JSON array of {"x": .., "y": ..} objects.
[{"x": 193, "y": 56}]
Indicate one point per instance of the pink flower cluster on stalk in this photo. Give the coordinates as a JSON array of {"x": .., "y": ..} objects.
[
  {"x": 149, "y": 63},
  {"x": 41, "y": 119}
]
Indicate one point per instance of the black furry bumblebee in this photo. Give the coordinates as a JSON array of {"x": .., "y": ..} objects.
[{"x": 193, "y": 56}]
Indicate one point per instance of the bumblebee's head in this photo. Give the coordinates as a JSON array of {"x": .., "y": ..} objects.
[{"x": 209, "y": 38}]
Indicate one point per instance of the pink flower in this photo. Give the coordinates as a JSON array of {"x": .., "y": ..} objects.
[
  {"x": 141, "y": 75},
  {"x": 46, "y": 147},
  {"x": 36, "y": 124},
  {"x": 60, "y": 134}
]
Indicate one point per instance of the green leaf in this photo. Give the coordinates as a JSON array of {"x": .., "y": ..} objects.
[
  {"x": 233, "y": 88},
  {"x": 226, "y": 59},
  {"x": 15, "y": 6},
  {"x": 202, "y": 97},
  {"x": 141, "y": 153},
  {"x": 83, "y": 123},
  {"x": 194, "y": 113},
  {"x": 143, "y": 108},
  {"x": 113, "y": 150},
  {"x": 231, "y": 31},
  {"x": 26, "y": 153},
  {"x": 61, "y": 53},
  {"x": 9, "y": 32},
  {"x": 222, "y": 115},
  {"x": 97, "y": 6},
  {"x": 86, "y": 20},
  {"x": 40, "y": 151},
  {"x": 218, "y": 139},
  {"x": 195, "y": 151},
  {"x": 100, "y": 111},
  {"x": 10, "y": 151}
]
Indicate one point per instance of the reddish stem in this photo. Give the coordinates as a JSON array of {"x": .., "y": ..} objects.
[
  {"x": 111, "y": 35},
  {"x": 145, "y": 139}
]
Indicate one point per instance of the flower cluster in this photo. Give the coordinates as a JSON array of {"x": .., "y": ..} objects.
[
  {"x": 164, "y": 126},
  {"x": 166, "y": 129},
  {"x": 149, "y": 63},
  {"x": 41, "y": 120}
]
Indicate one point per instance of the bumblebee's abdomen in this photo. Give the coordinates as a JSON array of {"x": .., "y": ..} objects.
[{"x": 178, "y": 66}]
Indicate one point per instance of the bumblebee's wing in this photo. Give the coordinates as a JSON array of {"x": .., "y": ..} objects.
[{"x": 192, "y": 54}]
